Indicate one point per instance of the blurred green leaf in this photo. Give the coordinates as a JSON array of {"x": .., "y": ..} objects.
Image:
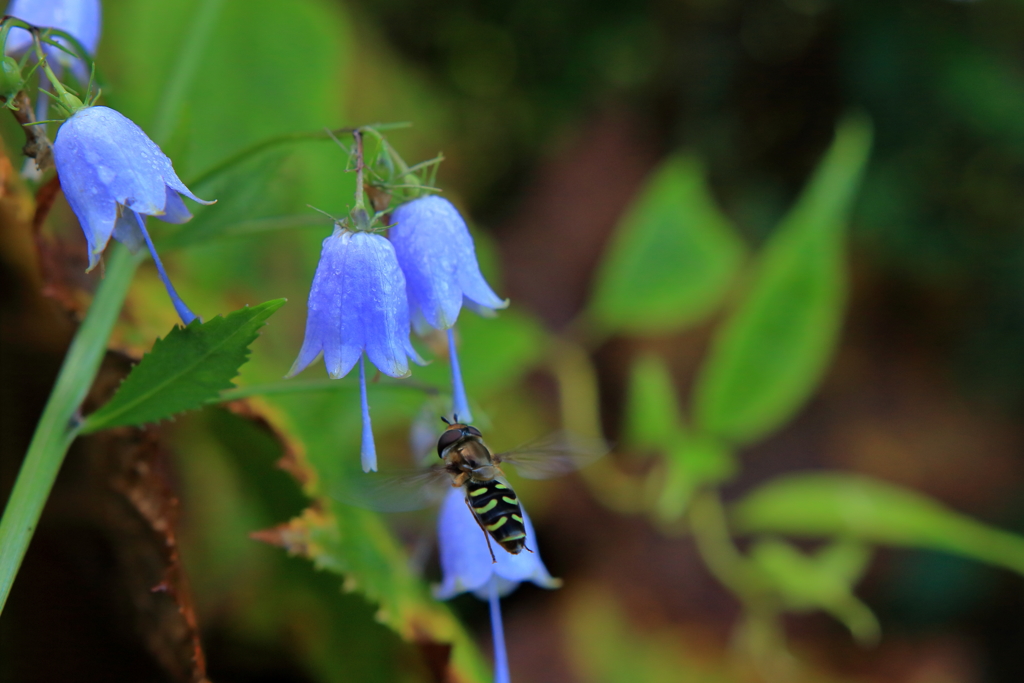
[
  {"x": 768, "y": 357},
  {"x": 691, "y": 461},
  {"x": 985, "y": 88},
  {"x": 854, "y": 506},
  {"x": 358, "y": 546},
  {"x": 654, "y": 420},
  {"x": 606, "y": 648},
  {"x": 672, "y": 258},
  {"x": 821, "y": 581},
  {"x": 653, "y": 414},
  {"x": 185, "y": 369}
]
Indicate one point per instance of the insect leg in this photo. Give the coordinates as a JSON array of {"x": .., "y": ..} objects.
[{"x": 487, "y": 536}]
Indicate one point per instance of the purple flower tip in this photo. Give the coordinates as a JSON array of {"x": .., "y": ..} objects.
[
  {"x": 357, "y": 304},
  {"x": 466, "y": 563},
  {"x": 110, "y": 170},
  {"x": 437, "y": 255}
]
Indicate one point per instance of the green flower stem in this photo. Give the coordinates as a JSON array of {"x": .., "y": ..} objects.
[
  {"x": 45, "y": 64},
  {"x": 256, "y": 148},
  {"x": 715, "y": 546},
  {"x": 5, "y": 30},
  {"x": 290, "y": 387},
  {"x": 60, "y": 424},
  {"x": 279, "y": 141},
  {"x": 360, "y": 165},
  {"x": 403, "y": 167},
  {"x": 578, "y": 399}
]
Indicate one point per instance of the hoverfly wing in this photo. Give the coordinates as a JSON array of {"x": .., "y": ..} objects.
[
  {"x": 553, "y": 455},
  {"x": 396, "y": 491}
]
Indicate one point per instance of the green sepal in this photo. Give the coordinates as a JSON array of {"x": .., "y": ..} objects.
[{"x": 11, "y": 81}]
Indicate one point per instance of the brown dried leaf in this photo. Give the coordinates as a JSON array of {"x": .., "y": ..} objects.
[
  {"x": 62, "y": 259},
  {"x": 148, "y": 549},
  {"x": 140, "y": 514}
]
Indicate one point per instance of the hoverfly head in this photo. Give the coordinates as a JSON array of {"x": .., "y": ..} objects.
[{"x": 455, "y": 432}]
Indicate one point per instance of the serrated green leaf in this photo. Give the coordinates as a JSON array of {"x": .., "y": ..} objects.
[
  {"x": 769, "y": 356},
  {"x": 854, "y": 506},
  {"x": 357, "y": 545},
  {"x": 673, "y": 257},
  {"x": 185, "y": 369}
]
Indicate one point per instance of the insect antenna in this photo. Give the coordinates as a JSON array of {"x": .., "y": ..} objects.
[{"x": 445, "y": 420}]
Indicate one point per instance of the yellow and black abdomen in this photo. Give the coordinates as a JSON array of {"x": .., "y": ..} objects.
[{"x": 497, "y": 509}]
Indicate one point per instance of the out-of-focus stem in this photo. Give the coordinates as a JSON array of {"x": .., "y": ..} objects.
[
  {"x": 501, "y": 672},
  {"x": 578, "y": 399}
]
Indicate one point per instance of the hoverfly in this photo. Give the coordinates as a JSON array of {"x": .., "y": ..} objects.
[{"x": 470, "y": 464}]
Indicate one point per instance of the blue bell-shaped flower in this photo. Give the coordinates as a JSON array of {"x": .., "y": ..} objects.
[
  {"x": 358, "y": 305},
  {"x": 80, "y": 18},
  {"x": 112, "y": 175},
  {"x": 466, "y": 565},
  {"x": 437, "y": 255}
]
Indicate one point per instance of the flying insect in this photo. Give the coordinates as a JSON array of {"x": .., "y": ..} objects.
[{"x": 470, "y": 464}]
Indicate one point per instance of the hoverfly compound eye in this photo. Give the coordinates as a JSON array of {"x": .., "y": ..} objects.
[
  {"x": 447, "y": 439},
  {"x": 473, "y": 430}
]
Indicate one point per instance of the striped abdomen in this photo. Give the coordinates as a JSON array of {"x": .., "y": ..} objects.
[{"x": 497, "y": 509}]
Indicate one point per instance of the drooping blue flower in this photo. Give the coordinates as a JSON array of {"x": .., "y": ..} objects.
[
  {"x": 438, "y": 257},
  {"x": 112, "y": 175},
  {"x": 466, "y": 565},
  {"x": 358, "y": 305},
  {"x": 80, "y": 18}
]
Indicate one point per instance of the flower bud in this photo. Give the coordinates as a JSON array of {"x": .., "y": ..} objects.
[{"x": 10, "y": 78}]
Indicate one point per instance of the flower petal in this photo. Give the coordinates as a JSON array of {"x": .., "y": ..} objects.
[
  {"x": 127, "y": 232},
  {"x": 358, "y": 304},
  {"x": 175, "y": 210},
  {"x": 466, "y": 563},
  {"x": 323, "y": 317},
  {"x": 438, "y": 257},
  {"x": 173, "y": 182},
  {"x": 377, "y": 284}
]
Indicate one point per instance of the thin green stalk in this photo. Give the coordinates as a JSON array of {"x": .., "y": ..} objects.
[
  {"x": 716, "y": 548},
  {"x": 59, "y": 424},
  {"x": 277, "y": 141},
  {"x": 184, "y": 71},
  {"x": 292, "y": 387},
  {"x": 254, "y": 149}
]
